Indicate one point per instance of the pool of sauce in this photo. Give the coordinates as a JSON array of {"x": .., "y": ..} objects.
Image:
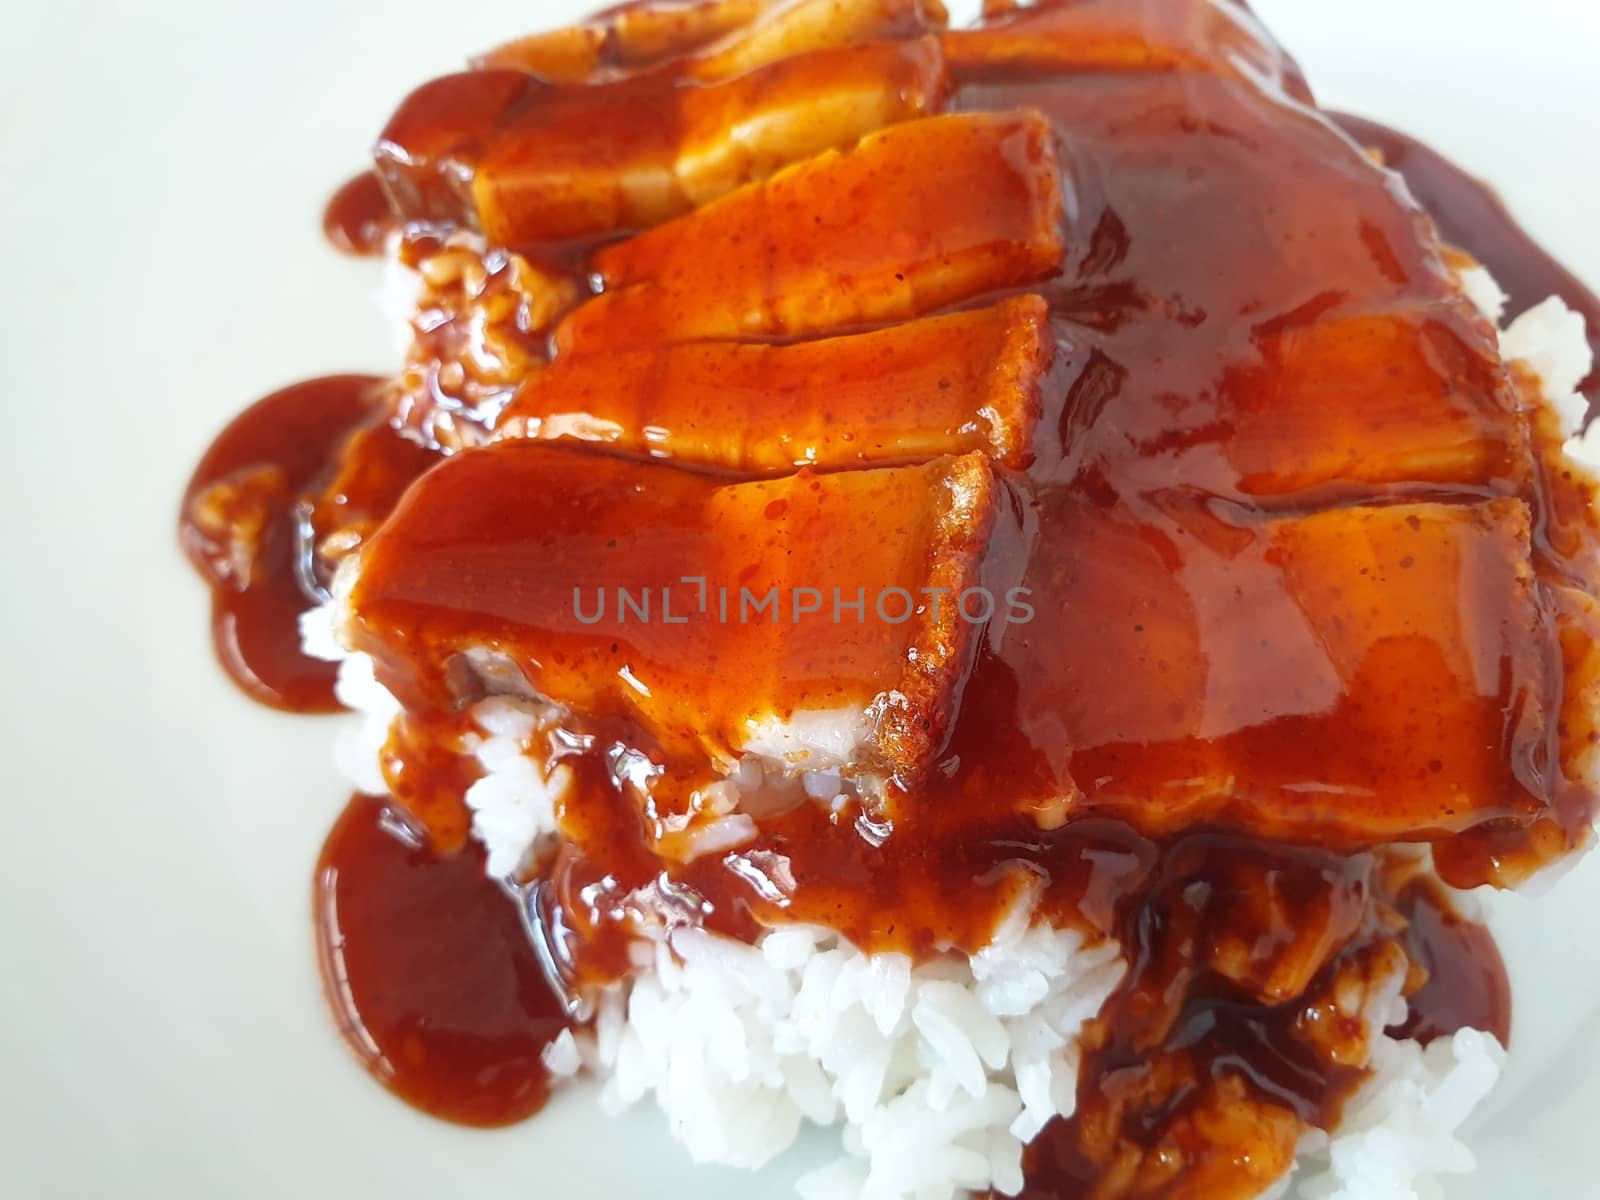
[
  {"x": 429, "y": 966},
  {"x": 243, "y": 525},
  {"x": 312, "y": 459},
  {"x": 358, "y": 218},
  {"x": 430, "y": 972}
]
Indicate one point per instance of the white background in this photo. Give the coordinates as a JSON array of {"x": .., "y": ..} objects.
[{"x": 162, "y": 169}]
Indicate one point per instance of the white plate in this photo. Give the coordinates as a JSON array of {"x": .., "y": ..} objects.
[{"x": 162, "y": 169}]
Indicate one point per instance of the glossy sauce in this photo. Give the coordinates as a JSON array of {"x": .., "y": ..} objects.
[
  {"x": 1184, "y": 460},
  {"x": 1234, "y": 950},
  {"x": 1471, "y": 214},
  {"x": 428, "y": 769},
  {"x": 430, "y": 972},
  {"x": 313, "y": 460},
  {"x": 257, "y": 557},
  {"x": 358, "y": 218},
  {"x": 1466, "y": 985}
]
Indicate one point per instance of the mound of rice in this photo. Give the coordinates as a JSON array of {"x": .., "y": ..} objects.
[{"x": 935, "y": 1076}]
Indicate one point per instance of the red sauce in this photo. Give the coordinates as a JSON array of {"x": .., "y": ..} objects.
[
  {"x": 1471, "y": 214},
  {"x": 360, "y": 486},
  {"x": 429, "y": 770},
  {"x": 1466, "y": 985},
  {"x": 358, "y": 217},
  {"x": 244, "y": 525},
  {"x": 1224, "y": 1033},
  {"x": 430, "y": 972}
]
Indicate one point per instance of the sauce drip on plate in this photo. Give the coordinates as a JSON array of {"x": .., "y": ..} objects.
[
  {"x": 309, "y": 460},
  {"x": 430, "y": 971},
  {"x": 358, "y": 217},
  {"x": 245, "y": 526}
]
